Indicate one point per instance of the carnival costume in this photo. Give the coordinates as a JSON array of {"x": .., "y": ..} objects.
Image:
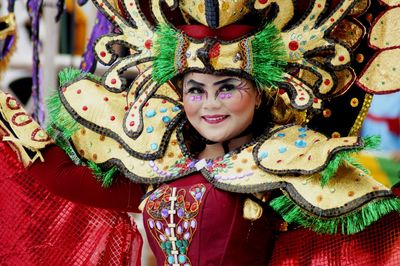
[{"x": 317, "y": 64}]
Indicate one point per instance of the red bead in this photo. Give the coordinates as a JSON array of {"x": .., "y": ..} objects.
[
  {"x": 132, "y": 124},
  {"x": 105, "y": 99},
  {"x": 148, "y": 44},
  {"x": 293, "y": 45},
  {"x": 341, "y": 58},
  {"x": 263, "y": 2},
  {"x": 102, "y": 54},
  {"x": 78, "y": 91},
  {"x": 112, "y": 118},
  {"x": 164, "y": 101},
  {"x": 84, "y": 108},
  {"x": 281, "y": 91},
  {"x": 327, "y": 82},
  {"x": 113, "y": 81}
]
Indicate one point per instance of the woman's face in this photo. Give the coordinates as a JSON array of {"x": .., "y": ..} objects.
[{"x": 219, "y": 107}]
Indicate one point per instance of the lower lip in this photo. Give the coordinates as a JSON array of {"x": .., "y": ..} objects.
[{"x": 215, "y": 120}]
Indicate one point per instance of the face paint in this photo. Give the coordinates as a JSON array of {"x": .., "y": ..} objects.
[{"x": 218, "y": 107}]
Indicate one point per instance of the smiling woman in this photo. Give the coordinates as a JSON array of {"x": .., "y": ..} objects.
[{"x": 220, "y": 108}]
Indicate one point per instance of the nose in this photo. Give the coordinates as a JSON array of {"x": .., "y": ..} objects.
[{"x": 211, "y": 103}]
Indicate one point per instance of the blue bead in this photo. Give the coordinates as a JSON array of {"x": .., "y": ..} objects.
[
  {"x": 302, "y": 129},
  {"x": 302, "y": 135},
  {"x": 163, "y": 110},
  {"x": 149, "y": 129},
  {"x": 166, "y": 119},
  {"x": 263, "y": 155},
  {"x": 282, "y": 149},
  {"x": 151, "y": 113},
  {"x": 281, "y": 135},
  {"x": 170, "y": 259},
  {"x": 182, "y": 258},
  {"x": 300, "y": 143},
  {"x": 176, "y": 108},
  {"x": 154, "y": 146}
]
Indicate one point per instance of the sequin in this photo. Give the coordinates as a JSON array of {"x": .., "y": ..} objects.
[
  {"x": 163, "y": 110},
  {"x": 193, "y": 223},
  {"x": 300, "y": 143},
  {"x": 162, "y": 237},
  {"x": 281, "y": 135},
  {"x": 176, "y": 109},
  {"x": 164, "y": 213},
  {"x": 186, "y": 224},
  {"x": 179, "y": 230},
  {"x": 154, "y": 146},
  {"x": 149, "y": 129},
  {"x": 166, "y": 119},
  {"x": 302, "y": 135},
  {"x": 151, "y": 223},
  {"x": 151, "y": 113},
  {"x": 282, "y": 149},
  {"x": 186, "y": 236},
  {"x": 182, "y": 258},
  {"x": 263, "y": 155},
  {"x": 180, "y": 212},
  {"x": 158, "y": 225}
]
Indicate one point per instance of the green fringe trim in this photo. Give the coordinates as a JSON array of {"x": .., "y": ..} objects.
[
  {"x": 58, "y": 115},
  {"x": 106, "y": 177},
  {"x": 339, "y": 158},
  {"x": 348, "y": 224},
  {"x": 60, "y": 118},
  {"x": 269, "y": 56},
  {"x": 165, "y": 46},
  {"x": 70, "y": 74}
]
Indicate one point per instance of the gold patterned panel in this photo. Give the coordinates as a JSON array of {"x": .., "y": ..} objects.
[
  {"x": 300, "y": 149},
  {"x": 382, "y": 75},
  {"x": 385, "y": 32}
]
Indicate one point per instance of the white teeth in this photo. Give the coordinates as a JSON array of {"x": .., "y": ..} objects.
[{"x": 214, "y": 119}]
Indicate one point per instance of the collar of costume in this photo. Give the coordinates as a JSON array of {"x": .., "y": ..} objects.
[{"x": 137, "y": 128}]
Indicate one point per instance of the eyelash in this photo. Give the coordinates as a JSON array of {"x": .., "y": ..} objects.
[{"x": 194, "y": 90}]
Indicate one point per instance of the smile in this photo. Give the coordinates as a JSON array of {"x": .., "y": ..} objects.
[{"x": 214, "y": 119}]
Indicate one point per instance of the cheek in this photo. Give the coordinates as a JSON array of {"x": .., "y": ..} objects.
[
  {"x": 247, "y": 103},
  {"x": 190, "y": 108}
]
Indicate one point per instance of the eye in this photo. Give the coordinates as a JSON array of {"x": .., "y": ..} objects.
[
  {"x": 195, "y": 90},
  {"x": 226, "y": 88}
]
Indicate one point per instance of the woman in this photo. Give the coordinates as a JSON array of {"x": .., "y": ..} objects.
[
  {"x": 214, "y": 166},
  {"x": 221, "y": 110}
]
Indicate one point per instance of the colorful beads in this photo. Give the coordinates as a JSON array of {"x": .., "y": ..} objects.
[
  {"x": 151, "y": 113},
  {"x": 300, "y": 143},
  {"x": 149, "y": 129},
  {"x": 166, "y": 119}
]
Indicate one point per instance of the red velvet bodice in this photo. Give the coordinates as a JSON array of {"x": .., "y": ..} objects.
[{"x": 208, "y": 225}]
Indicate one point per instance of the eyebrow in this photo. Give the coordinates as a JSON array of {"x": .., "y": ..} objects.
[
  {"x": 193, "y": 82},
  {"x": 226, "y": 80}
]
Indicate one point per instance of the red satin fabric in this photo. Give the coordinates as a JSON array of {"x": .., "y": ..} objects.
[
  {"x": 38, "y": 228},
  {"x": 226, "y": 33}
]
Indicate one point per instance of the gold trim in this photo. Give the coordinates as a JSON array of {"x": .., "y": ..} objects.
[{"x": 361, "y": 115}]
